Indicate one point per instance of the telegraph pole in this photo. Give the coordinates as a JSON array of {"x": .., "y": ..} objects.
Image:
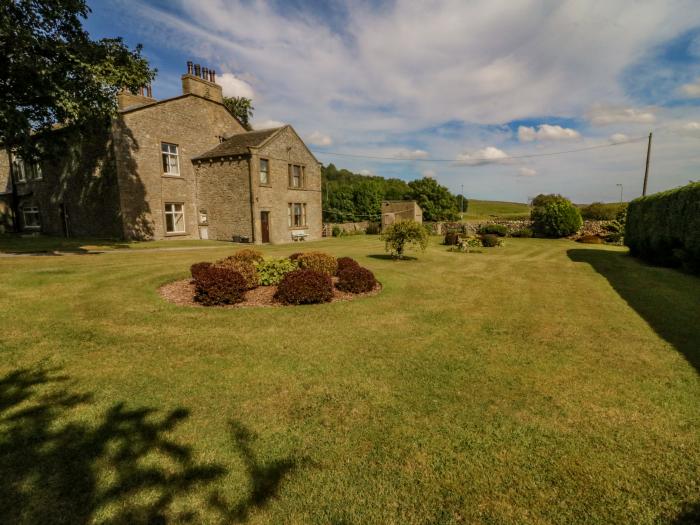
[
  {"x": 646, "y": 169},
  {"x": 462, "y": 195}
]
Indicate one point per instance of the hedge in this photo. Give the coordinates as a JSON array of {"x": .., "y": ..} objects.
[{"x": 664, "y": 228}]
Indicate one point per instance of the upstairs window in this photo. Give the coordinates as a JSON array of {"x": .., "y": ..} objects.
[
  {"x": 174, "y": 218},
  {"x": 24, "y": 171},
  {"x": 296, "y": 214},
  {"x": 296, "y": 176},
  {"x": 264, "y": 171},
  {"x": 31, "y": 218},
  {"x": 171, "y": 164}
]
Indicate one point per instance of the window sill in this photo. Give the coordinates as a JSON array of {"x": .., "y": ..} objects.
[
  {"x": 166, "y": 176},
  {"x": 265, "y": 185},
  {"x": 176, "y": 234},
  {"x": 299, "y": 227},
  {"x": 293, "y": 188}
]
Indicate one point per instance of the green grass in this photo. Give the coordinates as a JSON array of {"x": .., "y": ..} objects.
[
  {"x": 542, "y": 382},
  {"x": 480, "y": 210}
]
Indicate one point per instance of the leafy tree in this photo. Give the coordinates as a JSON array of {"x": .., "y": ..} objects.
[
  {"x": 543, "y": 199},
  {"x": 242, "y": 108},
  {"x": 52, "y": 72},
  {"x": 403, "y": 234},
  {"x": 436, "y": 201},
  {"x": 557, "y": 218}
]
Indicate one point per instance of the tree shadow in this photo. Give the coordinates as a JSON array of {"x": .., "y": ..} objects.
[
  {"x": 122, "y": 467},
  {"x": 388, "y": 257},
  {"x": 668, "y": 300},
  {"x": 689, "y": 515}
]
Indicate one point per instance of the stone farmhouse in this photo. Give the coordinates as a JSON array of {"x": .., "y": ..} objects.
[{"x": 182, "y": 167}]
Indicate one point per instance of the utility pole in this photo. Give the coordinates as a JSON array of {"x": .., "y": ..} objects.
[
  {"x": 620, "y": 185},
  {"x": 646, "y": 169},
  {"x": 462, "y": 196}
]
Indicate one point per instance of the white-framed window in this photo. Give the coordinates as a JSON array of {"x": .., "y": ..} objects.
[
  {"x": 171, "y": 161},
  {"x": 264, "y": 171},
  {"x": 296, "y": 176},
  {"x": 296, "y": 214},
  {"x": 31, "y": 218},
  {"x": 174, "y": 217},
  {"x": 36, "y": 172}
]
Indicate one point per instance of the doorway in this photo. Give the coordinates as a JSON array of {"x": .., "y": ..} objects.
[{"x": 265, "y": 223}]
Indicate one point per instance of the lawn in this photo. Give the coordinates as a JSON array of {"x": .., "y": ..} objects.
[
  {"x": 480, "y": 210},
  {"x": 542, "y": 382}
]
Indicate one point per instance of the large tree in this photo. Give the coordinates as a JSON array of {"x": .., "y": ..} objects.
[
  {"x": 242, "y": 108},
  {"x": 436, "y": 201},
  {"x": 52, "y": 72}
]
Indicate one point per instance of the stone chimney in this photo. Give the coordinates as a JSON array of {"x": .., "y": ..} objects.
[
  {"x": 128, "y": 100},
  {"x": 201, "y": 81}
]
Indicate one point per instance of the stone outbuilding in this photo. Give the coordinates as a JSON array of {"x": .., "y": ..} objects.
[
  {"x": 396, "y": 211},
  {"x": 182, "y": 167}
]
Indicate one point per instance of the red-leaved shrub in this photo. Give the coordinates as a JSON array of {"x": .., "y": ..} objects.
[
  {"x": 346, "y": 262},
  {"x": 197, "y": 268},
  {"x": 217, "y": 285},
  {"x": 243, "y": 266},
  {"x": 356, "y": 279},
  {"x": 305, "y": 287}
]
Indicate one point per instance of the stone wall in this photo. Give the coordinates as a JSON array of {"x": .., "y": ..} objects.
[
  {"x": 472, "y": 227},
  {"x": 349, "y": 227}
]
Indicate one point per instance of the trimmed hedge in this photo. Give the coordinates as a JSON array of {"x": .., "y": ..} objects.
[
  {"x": 305, "y": 287},
  {"x": 318, "y": 261},
  {"x": 490, "y": 240},
  {"x": 356, "y": 279},
  {"x": 217, "y": 285},
  {"x": 494, "y": 229},
  {"x": 664, "y": 228},
  {"x": 199, "y": 268},
  {"x": 346, "y": 262}
]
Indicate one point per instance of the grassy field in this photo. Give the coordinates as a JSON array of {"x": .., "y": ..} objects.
[
  {"x": 542, "y": 382},
  {"x": 480, "y": 210}
]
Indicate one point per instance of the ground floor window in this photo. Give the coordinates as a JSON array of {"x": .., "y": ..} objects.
[
  {"x": 174, "y": 218},
  {"x": 31, "y": 217},
  {"x": 297, "y": 214}
]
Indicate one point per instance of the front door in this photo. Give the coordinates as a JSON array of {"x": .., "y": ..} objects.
[{"x": 265, "y": 223}]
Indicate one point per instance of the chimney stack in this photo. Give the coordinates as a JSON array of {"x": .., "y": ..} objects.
[
  {"x": 201, "y": 81},
  {"x": 212, "y": 76},
  {"x": 140, "y": 97},
  {"x": 190, "y": 65}
]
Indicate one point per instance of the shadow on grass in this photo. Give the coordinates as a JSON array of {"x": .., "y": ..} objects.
[
  {"x": 15, "y": 244},
  {"x": 690, "y": 515},
  {"x": 388, "y": 257},
  {"x": 667, "y": 299},
  {"x": 121, "y": 468}
]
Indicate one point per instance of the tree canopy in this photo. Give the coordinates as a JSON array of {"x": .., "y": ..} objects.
[
  {"x": 52, "y": 72},
  {"x": 436, "y": 201},
  {"x": 242, "y": 108}
]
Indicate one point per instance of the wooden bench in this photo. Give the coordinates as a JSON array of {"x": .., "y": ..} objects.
[{"x": 299, "y": 235}]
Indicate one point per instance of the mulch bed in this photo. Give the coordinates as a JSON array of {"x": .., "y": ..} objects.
[{"x": 182, "y": 293}]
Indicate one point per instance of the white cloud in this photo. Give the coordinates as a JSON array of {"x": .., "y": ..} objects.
[
  {"x": 267, "y": 124},
  {"x": 600, "y": 115},
  {"x": 232, "y": 86},
  {"x": 319, "y": 139},
  {"x": 412, "y": 154},
  {"x": 691, "y": 90},
  {"x": 366, "y": 173},
  {"x": 691, "y": 126},
  {"x": 526, "y": 172},
  {"x": 546, "y": 132},
  {"x": 618, "y": 137},
  {"x": 488, "y": 155},
  {"x": 429, "y": 174}
]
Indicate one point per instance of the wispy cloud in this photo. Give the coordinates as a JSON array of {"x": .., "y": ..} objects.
[{"x": 546, "y": 132}]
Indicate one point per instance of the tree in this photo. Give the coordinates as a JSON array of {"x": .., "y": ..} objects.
[
  {"x": 556, "y": 219},
  {"x": 403, "y": 234},
  {"x": 543, "y": 199},
  {"x": 52, "y": 72},
  {"x": 242, "y": 108},
  {"x": 436, "y": 201}
]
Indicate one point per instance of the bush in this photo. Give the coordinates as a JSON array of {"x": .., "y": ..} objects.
[
  {"x": 247, "y": 255},
  {"x": 305, "y": 287},
  {"x": 356, "y": 279},
  {"x": 523, "y": 232},
  {"x": 493, "y": 229},
  {"x": 490, "y": 240},
  {"x": 318, "y": 261},
  {"x": 197, "y": 268},
  {"x": 295, "y": 256},
  {"x": 600, "y": 211},
  {"x": 590, "y": 239},
  {"x": 271, "y": 271},
  {"x": 403, "y": 234},
  {"x": 542, "y": 199},
  {"x": 245, "y": 267},
  {"x": 556, "y": 219},
  {"x": 336, "y": 231},
  {"x": 217, "y": 285},
  {"x": 374, "y": 228},
  {"x": 346, "y": 262},
  {"x": 451, "y": 238},
  {"x": 664, "y": 228}
]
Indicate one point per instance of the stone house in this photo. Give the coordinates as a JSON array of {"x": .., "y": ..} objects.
[
  {"x": 396, "y": 211},
  {"x": 182, "y": 167}
]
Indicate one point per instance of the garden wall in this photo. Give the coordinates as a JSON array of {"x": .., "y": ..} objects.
[
  {"x": 348, "y": 227},
  {"x": 441, "y": 228},
  {"x": 664, "y": 228}
]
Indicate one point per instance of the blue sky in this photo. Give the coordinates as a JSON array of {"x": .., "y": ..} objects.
[{"x": 453, "y": 88}]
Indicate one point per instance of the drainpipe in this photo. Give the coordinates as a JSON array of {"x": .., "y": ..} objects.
[
  {"x": 14, "y": 198},
  {"x": 252, "y": 161}
]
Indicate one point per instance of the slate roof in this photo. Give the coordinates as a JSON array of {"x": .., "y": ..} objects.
[{"x": 239, "y": 144}]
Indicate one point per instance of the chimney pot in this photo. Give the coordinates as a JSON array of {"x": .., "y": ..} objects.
[
  {"x": 197, "y": 70},
  {"x": 212, "y": 74},
  {"x": 189, "y": 67},
  {"x": 205, "y": 73}
]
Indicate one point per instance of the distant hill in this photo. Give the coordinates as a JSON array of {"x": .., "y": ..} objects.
[{"x": 481, "y": 209}]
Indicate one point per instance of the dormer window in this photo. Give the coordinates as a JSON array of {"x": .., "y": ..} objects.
[{"x": 171, "y": 162}]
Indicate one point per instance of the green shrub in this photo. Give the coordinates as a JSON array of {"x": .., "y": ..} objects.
[
  {"x": 451, "y": 238},
  {"x": 305, "y": 287},
  {"x": 356, "y": 279},
  {"x": 337, "y": 231},
  {"x": 399, "y": 236},
  {"x": 271, "y": 271},
  {"x": 197, "y": 268},
  {"x": 243, "y": 266},
  {"x": 556, "y": 219},
  {"x": 600, "y": 211},
  {"x": 664, "y": 228},
  {"x": 493, "y": 229},
  {"x": 250, "y": 255},
  {"x": 318, "y": 261},
  {"x": 543, "y": 200},
  {"x": 490, "y": 240},
  {"x": 218, "y": 285},
  {"x": 523, "y": 232},
  {"x": 346, "y": 262}
]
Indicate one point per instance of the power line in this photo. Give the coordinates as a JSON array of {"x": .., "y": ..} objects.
[{"x": 507, "y": 157}]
